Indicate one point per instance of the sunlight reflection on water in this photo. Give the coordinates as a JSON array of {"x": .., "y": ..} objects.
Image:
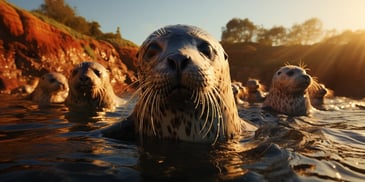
[{"x": 51, "y": 144}]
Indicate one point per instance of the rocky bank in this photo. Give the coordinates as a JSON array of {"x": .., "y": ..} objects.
[{"x": 30, "y": 47}]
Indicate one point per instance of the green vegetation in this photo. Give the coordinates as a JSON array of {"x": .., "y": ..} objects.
[
  {"x": 64, "y": 17},
  {"x": 115, "y": 39},
  {"x": 243, "y": 31},
  {"x": 59, "y": 25},
  {"x": 89, "y": 51}
]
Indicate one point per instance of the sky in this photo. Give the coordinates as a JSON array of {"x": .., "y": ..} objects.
[{"x": 138, "y": 18}]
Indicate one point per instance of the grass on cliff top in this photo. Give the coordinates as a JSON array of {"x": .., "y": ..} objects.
[
  {"x": 59, "y": 26},
  {"x": 120, "y": 42},
  {"x": 116, "y": 42}
]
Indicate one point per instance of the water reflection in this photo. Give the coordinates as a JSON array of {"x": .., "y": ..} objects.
[{"x": 54, "y": 144}]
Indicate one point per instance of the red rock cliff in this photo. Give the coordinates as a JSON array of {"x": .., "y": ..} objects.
[{"x": 31, "y": 47}]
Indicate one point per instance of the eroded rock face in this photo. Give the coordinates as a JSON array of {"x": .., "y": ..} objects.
[{"x": 30, "y": 47}]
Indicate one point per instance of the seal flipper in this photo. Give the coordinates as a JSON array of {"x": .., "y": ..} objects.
[{"x": 123, "y": 130}]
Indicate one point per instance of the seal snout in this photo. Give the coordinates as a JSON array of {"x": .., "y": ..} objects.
[
  {"x": 85, "y": 80},
  {"x": 306, "y": 79},
  {"x": 84, "y": 83},
  {"x": 178, "y": 63},
  {"x": 61, "y": 86}
]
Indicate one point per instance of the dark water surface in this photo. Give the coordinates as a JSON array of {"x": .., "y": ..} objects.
[{"x": 49, "y": 144}]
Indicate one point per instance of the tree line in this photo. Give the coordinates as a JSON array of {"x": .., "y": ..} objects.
[
  {"x": 67, "y": 15},
  {"x": 243, "y": 30},
  {"x": 236, "y": 30}
]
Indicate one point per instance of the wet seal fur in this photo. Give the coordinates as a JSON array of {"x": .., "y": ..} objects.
[
  {"x": 52, "y": 88},
  {"x": 288, "y": 93},
  {"x": 90, "y": 89},
  {"x": 184, "y": 90}
]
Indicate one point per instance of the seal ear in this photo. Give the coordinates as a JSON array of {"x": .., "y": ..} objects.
[
  {"x": 225, "y": 55},
  {"x": 137, "y": 54}
]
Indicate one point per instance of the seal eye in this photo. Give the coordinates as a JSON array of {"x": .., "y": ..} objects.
[
  {"x": 97, "y": 73},
  {"x": 279, "y": 72},
  {"x": 52, "y": 80},
  {"x": 152, "y": 50},
  {"x": 206, "y": 49},
  {"x": 290, "y": 73},
  {"x": 74, "y": 72}
]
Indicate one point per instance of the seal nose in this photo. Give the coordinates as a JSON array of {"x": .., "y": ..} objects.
[
  {"x": 307, "y": 79},
  {"x": 61, "y": 85},
  {"x": 178, "y": 62},
  {"x": 84, "y": 78}
]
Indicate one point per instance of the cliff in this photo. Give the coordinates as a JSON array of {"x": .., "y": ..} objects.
[{"x": 31, "y": 46}]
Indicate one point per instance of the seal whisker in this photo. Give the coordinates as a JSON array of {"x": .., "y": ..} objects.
[
  {"x": 196, "y": 98},
  {"x": 204, "y": 110},
  {"x": 203, "y": 103},
  {"x": 149, "y": 94},
  {"x": 141, "y": 113},
  {"x": 96, "y": 94},
  {"x": 221, "y": 105},
  {"x": 213, "y": 107},
  {"x": 153, "y": 107},
  {"x": 134, "y": 94},
  {"x": 218, "y": 108}
]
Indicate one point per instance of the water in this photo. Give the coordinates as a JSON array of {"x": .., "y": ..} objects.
[{"x": 50, "y": 144}]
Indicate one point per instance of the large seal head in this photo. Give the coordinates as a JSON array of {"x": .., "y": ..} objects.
[
  {"x": 288, "y": 92},
  {"x": 52, "y": 88},
  {"x": 90, "y": 89},
  {"x": 185, "y": 87}
]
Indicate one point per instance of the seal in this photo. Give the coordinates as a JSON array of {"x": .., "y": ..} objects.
[
  {"x": 27, "y": 88},
  {"x": 52, "y": 88},
  {"x": 239, "y": 92},
  {"x": 288, "y": 92},
  {"x": 184, "y": 89},
  {"x": 317, "y": 94},
  {"x": 255, "y": 91},
  {"x": 91, "y": 90}
]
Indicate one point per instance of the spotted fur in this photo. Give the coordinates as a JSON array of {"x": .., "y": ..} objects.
[
  {"x": 288, "y": 92},
  {"x": 52, "y": 88},
  {"x": 185, "y": 88},
  {"x": 90, "y": 89}
]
